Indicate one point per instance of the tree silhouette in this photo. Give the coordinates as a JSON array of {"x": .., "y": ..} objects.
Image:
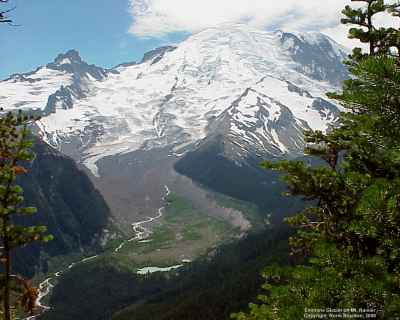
[
  {"x": 4, "y": 14},
  {"x": 14, "y": 153}
]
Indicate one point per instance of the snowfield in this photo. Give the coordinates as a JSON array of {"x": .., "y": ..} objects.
[
  {"x": 32, "y": 91},
  {"x": 256, "y": 83}
]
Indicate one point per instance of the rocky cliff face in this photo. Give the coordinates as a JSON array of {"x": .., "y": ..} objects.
[{"x": 68, "y": 204}]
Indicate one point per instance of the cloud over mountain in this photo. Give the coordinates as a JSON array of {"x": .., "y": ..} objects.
[{"x": 157, "y": 18}]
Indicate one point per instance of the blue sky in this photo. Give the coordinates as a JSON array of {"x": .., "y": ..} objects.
[
  {"x": 98, "y": 29},
  {"x": 110, "y": 32}
]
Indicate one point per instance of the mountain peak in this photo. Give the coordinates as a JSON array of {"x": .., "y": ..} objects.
[
  {"x": 157, "y": 54},
  {"x": 71, "y": 62},
  {"x": 70, "y": 57}
]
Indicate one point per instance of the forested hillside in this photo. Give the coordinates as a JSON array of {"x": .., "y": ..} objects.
[{"x": 209, "y": 288}]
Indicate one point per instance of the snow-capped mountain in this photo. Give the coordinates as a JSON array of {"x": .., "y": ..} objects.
[
  {"x": 258, "y": 89},
  {"x": 55, "y": 85}
]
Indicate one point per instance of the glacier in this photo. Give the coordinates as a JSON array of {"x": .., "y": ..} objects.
[{"x": 260, "y": 88}]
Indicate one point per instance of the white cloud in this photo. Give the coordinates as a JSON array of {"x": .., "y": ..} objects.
[{"x": 157, "y": 18}]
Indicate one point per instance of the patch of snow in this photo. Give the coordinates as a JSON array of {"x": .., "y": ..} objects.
[
  {"x": 64, "y": 61},
  {"x": 148, "y": 270}
]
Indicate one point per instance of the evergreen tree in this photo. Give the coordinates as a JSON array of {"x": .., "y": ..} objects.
[
  {"x": 347, "y": 247},
  {"x": 364, "y": 29},
  {"x": 4, "y": 18},
  {"x": 14, "y": 148},
  {"x": 14, "y": 151}
]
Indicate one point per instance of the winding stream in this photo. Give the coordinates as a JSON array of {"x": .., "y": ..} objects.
[{"x": 140, "y": 233}]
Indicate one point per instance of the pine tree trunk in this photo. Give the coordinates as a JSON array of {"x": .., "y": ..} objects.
[{"x": 7, "y": 309}]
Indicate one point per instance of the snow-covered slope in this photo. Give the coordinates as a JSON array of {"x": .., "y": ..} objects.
[
  {"x": 259, "y": 88},
  {"x": 31, "y": 91},
  {"x": 49, "y": 85}
]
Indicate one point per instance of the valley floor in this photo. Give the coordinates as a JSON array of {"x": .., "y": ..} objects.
[{"x": 182, "y": 229}]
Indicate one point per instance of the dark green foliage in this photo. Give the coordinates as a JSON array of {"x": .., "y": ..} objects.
[
  {"x": 15, "y": 149},
  {"x": 206, "y": 289},
  {"x": 380, "y": 40},
  {"x": 348, "y": 245},
  {"x": 212, "y": 289},
  {"x": 97, "y": 290}
]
